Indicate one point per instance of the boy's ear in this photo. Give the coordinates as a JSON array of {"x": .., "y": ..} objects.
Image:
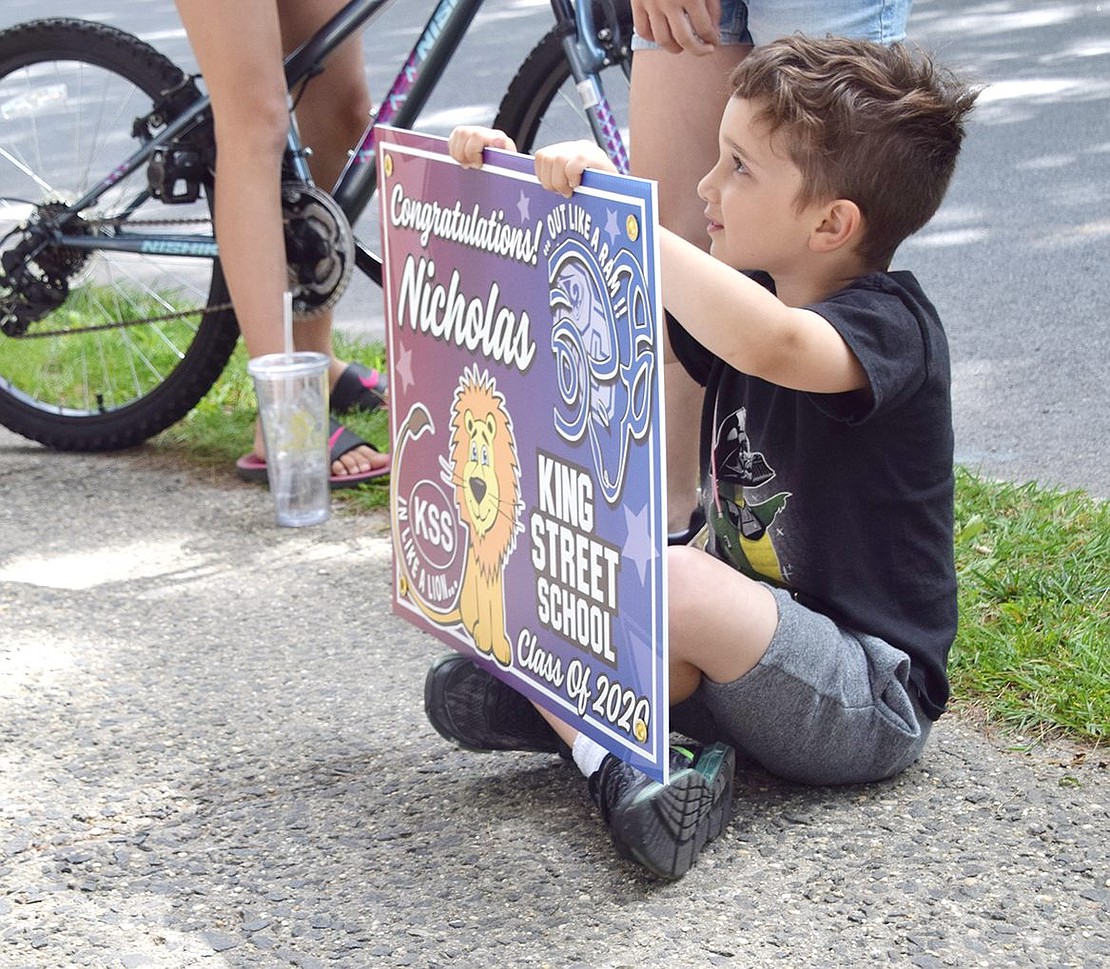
[{"x": 841, "y": 224}]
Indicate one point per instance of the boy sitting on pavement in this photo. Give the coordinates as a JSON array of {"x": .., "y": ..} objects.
[{"x": 812, "y": 631}]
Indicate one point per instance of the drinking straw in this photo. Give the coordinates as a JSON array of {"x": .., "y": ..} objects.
[{"x": 287, "y": 322}]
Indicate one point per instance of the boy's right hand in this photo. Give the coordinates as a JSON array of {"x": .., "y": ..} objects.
[
  {"x": 467, "y": 142},
  {"x": 560, "y": 167}
]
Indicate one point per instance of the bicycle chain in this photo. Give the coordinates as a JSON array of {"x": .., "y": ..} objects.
[
  {"x": 145, "y": 321},
  {"x": 123, "y": 324}
]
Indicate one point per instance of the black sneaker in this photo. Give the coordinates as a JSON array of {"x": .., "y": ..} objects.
[
  {"x": 664, "y": 826},
  {"x": 479, "y": 712}
]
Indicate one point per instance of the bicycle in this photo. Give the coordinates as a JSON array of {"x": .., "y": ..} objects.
[{"x": 114, "y": 315}]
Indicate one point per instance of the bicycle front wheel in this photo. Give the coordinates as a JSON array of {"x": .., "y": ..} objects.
[
  {"x": 101, "y": 349},
  {"x": 543, "y": 106}
]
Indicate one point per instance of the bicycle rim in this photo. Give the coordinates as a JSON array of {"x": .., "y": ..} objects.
[{"x": 70, "y": 95}]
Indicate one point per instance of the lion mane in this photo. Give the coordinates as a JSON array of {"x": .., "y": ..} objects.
[{"x": 485, "y": 470}]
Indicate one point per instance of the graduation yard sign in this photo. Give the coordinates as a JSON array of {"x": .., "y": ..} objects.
[{"x": 527, "y": 490}]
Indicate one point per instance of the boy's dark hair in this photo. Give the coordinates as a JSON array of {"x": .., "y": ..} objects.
[{"x": 877, "y": 125}]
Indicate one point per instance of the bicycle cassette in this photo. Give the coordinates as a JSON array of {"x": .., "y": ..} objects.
[{"x": 319, "y": 247}]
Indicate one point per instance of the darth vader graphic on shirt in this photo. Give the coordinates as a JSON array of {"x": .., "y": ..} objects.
[{"x": 742, "y": 527}]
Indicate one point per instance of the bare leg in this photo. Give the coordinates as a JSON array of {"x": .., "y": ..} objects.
[
  {"x": 249, "y": 103},
  {"x": 332, "y": 112},
  {"x": 722, "y": 636},
  {"x": 675, "y": 108}
]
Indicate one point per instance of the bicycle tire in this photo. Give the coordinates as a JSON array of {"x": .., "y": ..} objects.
[
  {"x": 98, "y": 390},
  {"x": 541, "y": 105}
]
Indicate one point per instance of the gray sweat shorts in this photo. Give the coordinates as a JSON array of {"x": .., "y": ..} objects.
[{"x": 823, "y": 706}]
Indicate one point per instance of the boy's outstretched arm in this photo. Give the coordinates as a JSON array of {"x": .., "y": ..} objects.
[
  {"x": 726, "y": 312},
  {"x": 750, "y": 328}
]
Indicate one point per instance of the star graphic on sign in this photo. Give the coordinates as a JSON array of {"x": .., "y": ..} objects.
[
  {"x": 403, "y": 369},
  {"x": 522, "y": 206},
  {"x": 612, "y": 229},
  {"x": 638, "y": 546}
]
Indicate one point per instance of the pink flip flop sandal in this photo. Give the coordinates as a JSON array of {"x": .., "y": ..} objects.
[
  {"x": 358, "y": 388},
  {"x": 250, "y": 467}
]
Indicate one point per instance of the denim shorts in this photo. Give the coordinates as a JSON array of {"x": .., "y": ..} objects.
[
  {"x": 761, "y": 21},
  {"x": 823, "y": 706}
]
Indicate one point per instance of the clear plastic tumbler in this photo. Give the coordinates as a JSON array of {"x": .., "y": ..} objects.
[{"x": 292, "y": 391}]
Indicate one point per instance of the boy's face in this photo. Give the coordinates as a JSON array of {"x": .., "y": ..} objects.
[{"x": 750, "y": 196}]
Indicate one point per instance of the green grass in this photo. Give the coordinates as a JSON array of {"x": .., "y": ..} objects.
[
  {"x": 113, "y": 366},
  {"x": 1033, "y": 649}
]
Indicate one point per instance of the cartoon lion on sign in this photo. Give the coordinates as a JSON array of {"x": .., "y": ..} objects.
[{"x": 484, "y": 472}]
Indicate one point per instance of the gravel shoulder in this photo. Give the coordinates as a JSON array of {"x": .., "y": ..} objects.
[{"x": 213, "y": 752}]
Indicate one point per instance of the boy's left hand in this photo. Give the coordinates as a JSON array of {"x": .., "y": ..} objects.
[
  {"x": 467, "y": 142},
  {"x": 560, "y": 167}
]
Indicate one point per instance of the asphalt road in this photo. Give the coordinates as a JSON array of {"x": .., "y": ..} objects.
[
  {"x": 213, "y": 753},
  {"x": 1016, "y": 258}
]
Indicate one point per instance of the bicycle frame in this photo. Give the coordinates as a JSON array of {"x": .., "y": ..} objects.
[{"x": 432, "y": 51}]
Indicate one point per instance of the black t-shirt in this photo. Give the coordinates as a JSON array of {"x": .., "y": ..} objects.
[{"x": 845, "y": 499}]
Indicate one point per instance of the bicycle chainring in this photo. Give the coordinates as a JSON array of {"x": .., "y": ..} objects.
[{"x": 319, "y": 247}]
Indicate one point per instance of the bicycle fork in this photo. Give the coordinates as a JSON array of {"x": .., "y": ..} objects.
[{"x": 586, "y": 58}]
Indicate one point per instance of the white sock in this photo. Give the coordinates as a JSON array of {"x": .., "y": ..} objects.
[{"x": 588, "y": 754}]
